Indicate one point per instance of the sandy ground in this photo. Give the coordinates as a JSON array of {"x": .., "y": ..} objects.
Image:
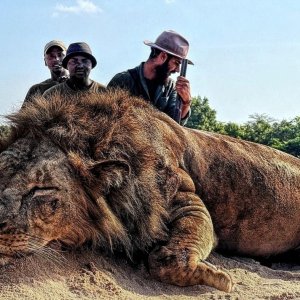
[{"x": 89, "y": 275}]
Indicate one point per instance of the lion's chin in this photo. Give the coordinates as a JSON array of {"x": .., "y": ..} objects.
[{"x": 6, "y": 260}]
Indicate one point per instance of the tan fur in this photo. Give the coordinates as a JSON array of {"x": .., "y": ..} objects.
[{"x": 112, "y": 171}]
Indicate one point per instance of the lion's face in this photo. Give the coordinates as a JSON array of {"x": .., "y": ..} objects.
[{"x": 37, "y": 194}]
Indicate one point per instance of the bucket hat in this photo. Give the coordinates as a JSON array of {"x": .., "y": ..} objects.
[
  {"x": 80, "y": 48},
  {"x": 54, "y": 43},
  {"x": 171, "y": 42}
]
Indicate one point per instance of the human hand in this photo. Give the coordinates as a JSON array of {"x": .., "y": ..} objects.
[{"x": 183, "y": 90}]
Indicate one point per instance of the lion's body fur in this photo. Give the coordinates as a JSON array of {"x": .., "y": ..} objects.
[{"x": 140, "y": 176}]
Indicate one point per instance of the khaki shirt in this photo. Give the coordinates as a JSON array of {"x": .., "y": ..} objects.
[
  {"x": 38, "y": 90},
  {"x": 65, "y": 90}
]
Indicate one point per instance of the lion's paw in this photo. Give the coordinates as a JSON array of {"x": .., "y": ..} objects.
[{"x": 182, "y": 268}]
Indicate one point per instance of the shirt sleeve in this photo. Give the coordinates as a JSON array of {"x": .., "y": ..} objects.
[
  {"x": 172, "y": 108},
  {"x": 47, "y": 94},
  {"x": 32, "y": 92}
]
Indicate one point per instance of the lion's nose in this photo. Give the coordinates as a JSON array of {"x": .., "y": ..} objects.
[{"x": 3, "y": 226}]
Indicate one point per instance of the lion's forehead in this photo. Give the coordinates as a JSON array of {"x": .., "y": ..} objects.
[
  {"x": 26, "y": 162},
  {"x": 42, "y": 172}
]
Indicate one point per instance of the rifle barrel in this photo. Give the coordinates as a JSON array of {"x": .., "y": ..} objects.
[
  {"x": 183, "y": 68},
  {"x": 177, "y": 113}
]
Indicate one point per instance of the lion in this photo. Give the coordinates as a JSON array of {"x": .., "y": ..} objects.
[{"x": 111, "y": 171}]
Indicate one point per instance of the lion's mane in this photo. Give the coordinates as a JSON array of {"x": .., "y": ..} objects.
[{"x": 132, "y": 209}]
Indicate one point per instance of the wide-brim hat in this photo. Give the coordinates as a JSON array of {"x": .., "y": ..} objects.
[
  {"x": 172, "y": 43},
  {"x": 80, "y": 48},
  {"x": 55, "y": 43}
]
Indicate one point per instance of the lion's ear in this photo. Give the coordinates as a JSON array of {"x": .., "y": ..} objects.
[
  {"x": 111, "y": 173},
  {"x": 106, "y": 174}
]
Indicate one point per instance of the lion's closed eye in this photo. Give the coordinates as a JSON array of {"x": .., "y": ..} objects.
[
  {"x": 45, "y": 202},
  {"x": 45, "y": 207},
  {"x": 42, "y": 191}
]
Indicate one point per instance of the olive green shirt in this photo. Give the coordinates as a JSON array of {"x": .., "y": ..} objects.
[
  {"x": 38, "y": 90},
  {"x": 64, "y": 89}
]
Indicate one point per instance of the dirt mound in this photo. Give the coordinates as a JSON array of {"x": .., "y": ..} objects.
[{"x": 87, "y": 275}]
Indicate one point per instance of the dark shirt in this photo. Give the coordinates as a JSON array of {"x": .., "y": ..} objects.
[{"x": 162, "y": 96}]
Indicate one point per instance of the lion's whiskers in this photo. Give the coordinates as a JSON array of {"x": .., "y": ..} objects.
[
  {"x": 38, "y": 246},
  {"x": 47, "y": 253}
]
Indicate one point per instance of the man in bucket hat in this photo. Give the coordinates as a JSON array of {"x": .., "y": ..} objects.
[
  {"x": 79, "y": 61},
  {"x": 54, "y": 52},
  {"x": 151, "y": 80}
]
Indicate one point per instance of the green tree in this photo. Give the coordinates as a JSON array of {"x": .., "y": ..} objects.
[
  {"x": 283, "y": 135},
  {"x": 292, "y": 147},
  {"x": 259, "y": 129},
  {"x": 203, "y": 116},
  {"x": 233, "y": 129}
]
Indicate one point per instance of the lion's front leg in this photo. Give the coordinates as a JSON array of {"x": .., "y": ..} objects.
[{"x": 181, "y": 260}]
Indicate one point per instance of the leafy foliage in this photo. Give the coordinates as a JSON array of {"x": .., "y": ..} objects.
[
  {"x": 283, "y": 135},
  {"x": 203, "y": 117},
  {"x": 4, "y": 131}
]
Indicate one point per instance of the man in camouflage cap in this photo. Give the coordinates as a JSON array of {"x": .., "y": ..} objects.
[
  {"x": 151, "y": 79},
  {"x": 54, "y": 53}
]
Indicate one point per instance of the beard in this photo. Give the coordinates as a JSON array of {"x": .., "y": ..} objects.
[
  {"x": 57, "y": 69},
  {"x": 162, "y": 73}
]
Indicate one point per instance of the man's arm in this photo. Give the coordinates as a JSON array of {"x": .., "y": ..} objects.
[
  {"x": 32, "y": 92},
  {"x": 172, "y": 108},
  {"x": 183, "y": 89},
  {"x": 50, "y": 92}
]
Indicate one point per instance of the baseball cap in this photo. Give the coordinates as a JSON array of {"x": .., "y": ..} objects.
[{"x": 54, "y": 43}]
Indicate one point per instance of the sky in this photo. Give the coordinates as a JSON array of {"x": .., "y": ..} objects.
[{"x": 246, "y": 52}]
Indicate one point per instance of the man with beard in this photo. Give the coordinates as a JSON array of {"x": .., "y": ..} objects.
[
  {"x": 79, "y": 61},
  {"x": 54, "y": 52},
  {"x": 150, "y": 80}
]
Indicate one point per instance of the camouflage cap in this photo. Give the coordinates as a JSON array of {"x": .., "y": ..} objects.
[{"x": 54, "y": 43}]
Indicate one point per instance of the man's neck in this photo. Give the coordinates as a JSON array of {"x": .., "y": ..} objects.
[
  {"x": 149, "y": 70},
  {"x": 57, "y": 76},
  {"x": 79, "y": 84}
]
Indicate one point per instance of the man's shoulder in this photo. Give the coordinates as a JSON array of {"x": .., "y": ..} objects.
[
  {"x": 48, "y": 81},
  {"x": 125, "y": 79},
  {"x": 98, "y": 84},
  {"x": 55, "y": 89},
  {"x": 38, "y": 89},
  {"x": 122, "y": 76},
  {"x": 98, "y": 87},
  {"x": 44, "y": 84}
]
